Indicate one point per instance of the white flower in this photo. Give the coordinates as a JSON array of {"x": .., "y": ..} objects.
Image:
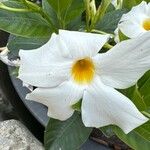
[
  {"x": 116, "y": 38},
  {"x": 4, "y": 57},
  {"x": 136, "y": 22},
  {"x": 69, "y": 68}
]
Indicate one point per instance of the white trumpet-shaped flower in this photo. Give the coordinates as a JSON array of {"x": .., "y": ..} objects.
[
  {"x": 69, "y": 68},
  {"x": 136, "y": 22}
]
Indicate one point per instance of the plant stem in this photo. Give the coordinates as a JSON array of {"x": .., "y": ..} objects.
[
  {"x": 101, "y": 32},
  {"x": 2, "y": 6},
  {"x": 146, "y": 114},
  {"x": 100, "y": 12},
  {"x": 87, "y": 15},
  {"x": 31, "y": 8},
  {"x": 38, "y": 9},
  {"x": 108, "y": 46}
]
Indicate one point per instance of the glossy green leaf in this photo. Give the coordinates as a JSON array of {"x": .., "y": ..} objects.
[
  {"x": 66, "y": 135},
  {"x": 15, "y": 4},
  {"x": 102, "y": 9},
  {"x": 16, "y": 43},
  {"x": 122, "y": 37},
  {"x": 47, "y": 8},
  {"x": 75, "y": 10},
  {"x": 138, "y": 139},
  {"x": 131, "y": 3},
  {"x": 110, "y": 21},
  {"x": 77, "y": 106},
  {"x": 110, "y": 8},
  {"x": 76, "y": 24},
  {"x": 139, "y": 1},
  {"x": 133, "y": 94},
  {"x": 107, "y": 131},
  {"x": 25, "y": 24},
  {"x": 144, "y": 88},
  {"x": 65, "y": 11},
  {"x": 60, "y": 5}
]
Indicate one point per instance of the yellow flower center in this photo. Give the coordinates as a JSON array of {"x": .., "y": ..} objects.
[
  {"x": 83, "y": 71},
  {"x": 146, "y": 24}
]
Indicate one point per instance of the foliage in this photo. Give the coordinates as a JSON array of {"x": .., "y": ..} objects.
[
  {"x": 130, "y": 3},
  {"x": 139, "y": 138},
  {"x": 31, "y": 26},
  {"x": 66, "y": 135}
]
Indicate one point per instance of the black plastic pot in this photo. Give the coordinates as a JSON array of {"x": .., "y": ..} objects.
[{"x": 33, "y": 114}]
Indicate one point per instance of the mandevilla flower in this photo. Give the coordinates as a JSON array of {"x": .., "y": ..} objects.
[
  {"x": 69, "y": 68},
  {"x": 136, "y": 22}
]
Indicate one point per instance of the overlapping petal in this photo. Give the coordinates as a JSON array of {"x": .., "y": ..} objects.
[
  {"x": 125, "y": 63},
  {"x": 50, "y": 64},
  {"x": 81, "y": 44},
  {"x": 58, "y": 99},
  {"x": 103, "y": 105},
  {"x": 131, "y": 24},
  {"x": 37, "y": 69}
]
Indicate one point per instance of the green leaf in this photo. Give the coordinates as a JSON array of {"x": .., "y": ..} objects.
[
  {"x": 75, "y": 10},
  {"x": 144, "y": 88},
  {"x": 139, "y": 1},
  {"x": 23, "y": 24},
  {"x": 64, "y": 12},
  {"x": 110, "y": 8},
  {"x": 103, "y": 8},
  {"x": 122, "y": 37},
  {"x": 110, "y": 21},
  {"x": 15, "y": 4},
  {"x": 138, "y": 139},
  {"x": 77, "y": 106},
  {"x": 76, "y": 24},
  {"x": 130, "y": 3},
  {"x": 50, "y": 12},
  {"x": 66, "y": 135},
  {"x": 60, "y": 6},
  {"x": 108, "y": 131},
  {"x": 133, "y": 94},
  {"x": 16, "y": 43}
]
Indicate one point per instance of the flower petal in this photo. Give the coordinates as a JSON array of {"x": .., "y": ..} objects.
[
  {"x": 103, "y": 105},
  {"x": 83, "y": 44},
  {"x": 131, "y": 23},
  {"x": 131, "y": 29},
  {"x": 46, "y": 66},
  {"x": 58, "y": 99},
  {"x": 125, "y": 63},
  {"x": 42, "y": 76}
]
